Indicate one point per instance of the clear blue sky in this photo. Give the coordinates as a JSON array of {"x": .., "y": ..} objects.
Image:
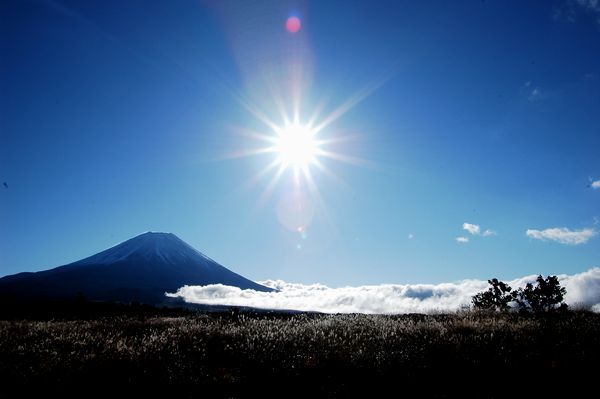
[{"x": 119, "y": 117}]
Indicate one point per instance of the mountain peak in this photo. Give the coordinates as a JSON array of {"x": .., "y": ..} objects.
[
  {"x": 149, "y": 247},
  {"x": 142, "y": 268},
  {"x": 156, "y": 233}
]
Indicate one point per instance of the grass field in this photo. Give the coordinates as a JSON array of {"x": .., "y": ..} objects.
[{"x": 242, "y": 354}]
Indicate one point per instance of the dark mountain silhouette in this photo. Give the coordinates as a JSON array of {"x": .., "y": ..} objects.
[{"x": 141, "y": 269}]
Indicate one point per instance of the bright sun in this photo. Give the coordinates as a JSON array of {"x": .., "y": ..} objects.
[{"x": 296, "y": 146}]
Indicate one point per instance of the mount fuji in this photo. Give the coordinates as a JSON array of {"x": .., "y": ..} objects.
[{"x": 140, "y": 269}]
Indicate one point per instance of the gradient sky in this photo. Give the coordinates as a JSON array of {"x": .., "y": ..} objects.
[{"x": 119, "y": 117}]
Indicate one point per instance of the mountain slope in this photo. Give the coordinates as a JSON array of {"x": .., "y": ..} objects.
[{"x": 140, "y": 269}]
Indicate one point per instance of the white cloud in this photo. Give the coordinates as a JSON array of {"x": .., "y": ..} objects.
[
  {"x": 563, "y": 235},
  {"x": 475, "y": 230},
  {"x": 596, "y": 184},
  {"x": 463, "y": 240},
  {"x": 582, "y": 288},
  {"x": 471, "y": 228}
]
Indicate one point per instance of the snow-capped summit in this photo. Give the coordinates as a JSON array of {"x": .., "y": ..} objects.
[
  {"x": 140, "y": 269},
  {"x": 149, "y": 246}
]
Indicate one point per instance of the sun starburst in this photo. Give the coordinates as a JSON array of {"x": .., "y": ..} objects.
[
  {"x": 296, "y": 146},
  {"x": 300, "y": 149}
]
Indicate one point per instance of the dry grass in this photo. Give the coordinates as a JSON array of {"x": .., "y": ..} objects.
[{"x": 234, "y": 354}]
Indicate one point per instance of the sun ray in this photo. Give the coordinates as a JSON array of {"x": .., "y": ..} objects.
[
  {"x": 316, "y": 114},
  {"x": 253, "y": 134},
  {"x": 258, "y": 114},
  {"x": 268, "y": 191},
  {"x": 351, "y": 102},
  {"x": 343, "y": 158},
  {"x": 319, "y": 165},
  {"x": 279, "y": 103},
  {"x": 248, "y": 153},
  {"x": 340, "y": 139},
  {"x": 320, "y": 203},
  {"x": 261, "y": 173}
]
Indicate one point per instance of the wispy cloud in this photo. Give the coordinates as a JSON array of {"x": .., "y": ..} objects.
[
  {"x": 595, "y": 184},
  {"x": 582, "y": 288},
  {"x": 534, "y": 94},
  {"x": 571, "y": 8},
  {"x": 488, "y": 233},
  {"x": 562, "y": 235},
  {"x": 462, "y": 240},
  {"x": 411, "y": 236},
  {"x": 591, "y": 5}
]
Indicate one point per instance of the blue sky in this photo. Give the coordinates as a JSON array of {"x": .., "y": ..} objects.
[{"x": 122, "y": 117}]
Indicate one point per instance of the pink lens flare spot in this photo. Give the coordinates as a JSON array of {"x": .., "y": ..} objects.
[
  {"x": 295, "y": 211},
  {"x": 293, "y": 24}
]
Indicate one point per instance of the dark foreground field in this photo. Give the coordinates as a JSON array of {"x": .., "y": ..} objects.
[{"x": 276, "y": 355}]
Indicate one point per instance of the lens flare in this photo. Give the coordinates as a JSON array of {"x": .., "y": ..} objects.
[
  {"x": 295, "y": 211},
  {"x": 293, "y": 24}
]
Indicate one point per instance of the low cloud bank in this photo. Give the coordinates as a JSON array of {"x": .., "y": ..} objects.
[{"x": 582, "y": 289}]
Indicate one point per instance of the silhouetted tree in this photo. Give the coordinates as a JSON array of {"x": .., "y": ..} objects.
[
  {"x": 545, "y": 296},
  {"x": 497, "y": 297}
]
